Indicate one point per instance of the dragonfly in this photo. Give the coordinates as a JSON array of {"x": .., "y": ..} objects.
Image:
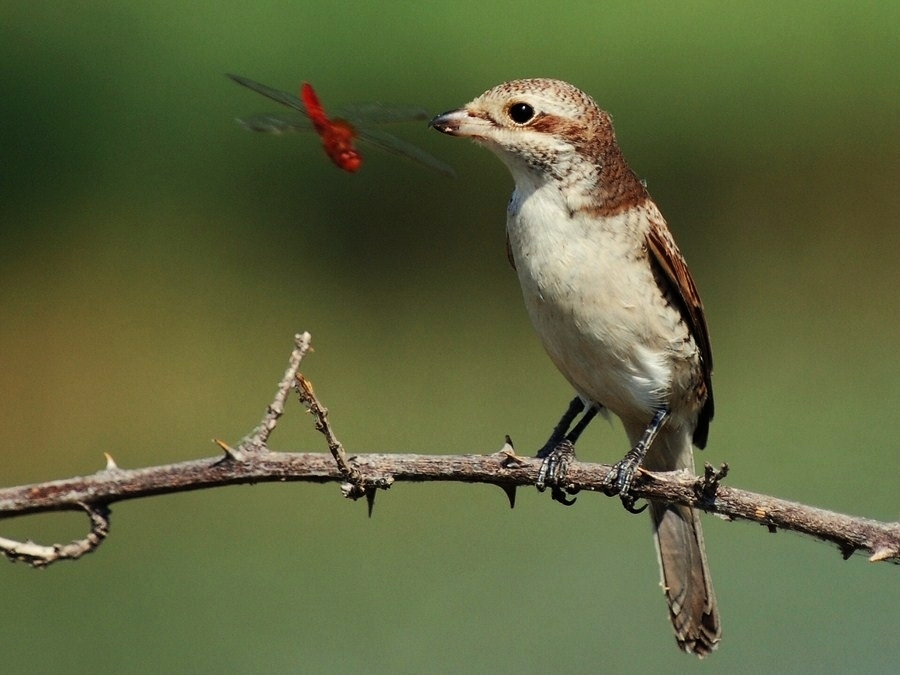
[{"x": 339, "y": 133}]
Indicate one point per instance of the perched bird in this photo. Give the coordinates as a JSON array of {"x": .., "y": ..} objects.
[{"x": 613, "y": 302}]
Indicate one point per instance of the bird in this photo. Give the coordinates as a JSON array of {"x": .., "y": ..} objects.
[{"x": 613, "y": 302}]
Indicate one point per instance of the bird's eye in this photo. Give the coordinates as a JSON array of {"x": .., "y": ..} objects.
[{"x": 520, "y": 113}]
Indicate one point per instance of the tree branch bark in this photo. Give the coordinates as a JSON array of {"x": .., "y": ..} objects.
[{"x": 364, "y": 474}]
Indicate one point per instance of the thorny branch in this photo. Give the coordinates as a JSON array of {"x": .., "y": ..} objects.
[{"x": 363, "y": 475}]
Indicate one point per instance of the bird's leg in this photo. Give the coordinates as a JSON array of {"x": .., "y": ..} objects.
[
  {"x": 573, "y": 436},
  {"x": 559, "y": 449},
  {"x": 620, "y": 477},
  {"x": 576, "y": 407}
]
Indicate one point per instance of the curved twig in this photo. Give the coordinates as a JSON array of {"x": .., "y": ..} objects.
[{"x": 38, "y": 555}]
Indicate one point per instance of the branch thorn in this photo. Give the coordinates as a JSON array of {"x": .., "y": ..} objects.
[
  {"x": 510, "y": 491},
  {"x": 884, "y": 553},
  {"x": 234, "y": 454},
  {"x": 370, "y": 499},
  {"x": 510, "y": 457}
]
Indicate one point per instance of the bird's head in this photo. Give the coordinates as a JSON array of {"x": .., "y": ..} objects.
[{"x": 546, "y": 131}]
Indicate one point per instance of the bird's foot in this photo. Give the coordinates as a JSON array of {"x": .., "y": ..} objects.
[
  {"x": 619, "y": 479},
  {"x": 553, "y": 471}
]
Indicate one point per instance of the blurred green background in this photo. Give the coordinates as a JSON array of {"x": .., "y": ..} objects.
[{"x": 156, "y": 261}]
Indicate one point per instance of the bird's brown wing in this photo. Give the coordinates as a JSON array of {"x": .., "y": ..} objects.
[{"x": 669, "y": 259}]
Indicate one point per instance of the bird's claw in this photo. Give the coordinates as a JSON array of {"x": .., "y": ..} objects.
[
  {"x": 629, "y": 501},
  {"x": 621, "y": 476},
  {"x": 554, "y": 466},
  {"x": 560, "y": 495},
  {"x": 553, "y": 472},
  {"x": 619, "y": 481}
]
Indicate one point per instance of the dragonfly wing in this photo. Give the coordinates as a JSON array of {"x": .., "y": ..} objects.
[
  {"x": 376, "y": 113},
  {"x": 276, "y": 95},
  {"x": 392, "y": 144},
  {"x": 274, "y": 123}
]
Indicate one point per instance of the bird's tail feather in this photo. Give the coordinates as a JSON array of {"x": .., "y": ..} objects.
[{"x": 686, "y": 580}]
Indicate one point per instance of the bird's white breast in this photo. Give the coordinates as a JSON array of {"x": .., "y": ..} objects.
[{"x": 587, "y": 294}]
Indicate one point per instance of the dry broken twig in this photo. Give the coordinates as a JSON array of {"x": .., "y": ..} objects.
[{"x": 364, "y": 474}]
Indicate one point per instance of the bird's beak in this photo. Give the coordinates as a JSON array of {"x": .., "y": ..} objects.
[
  {"x": 450, "y": 122},
  {"x": 460, "y": 123}
]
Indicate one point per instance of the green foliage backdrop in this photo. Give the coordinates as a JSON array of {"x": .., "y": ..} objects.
[{"x": 156, "y": 261}]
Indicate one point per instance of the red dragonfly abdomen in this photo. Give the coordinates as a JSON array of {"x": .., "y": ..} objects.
[{"x": 337, "y": 134}]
